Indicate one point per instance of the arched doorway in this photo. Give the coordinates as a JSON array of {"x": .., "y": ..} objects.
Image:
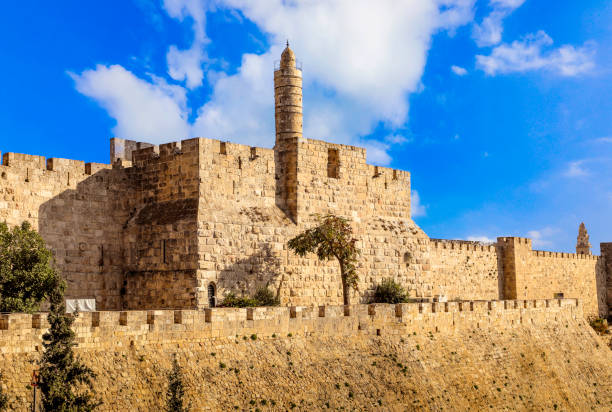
[{"x": 212, "y": 295}]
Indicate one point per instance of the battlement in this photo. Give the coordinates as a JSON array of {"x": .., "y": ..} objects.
[
  {"x": 29, "y": 163},
  {"x": 22, "y": 332},
  {"x": 563, "y": 255},
  {"x": 514, "y": 240},
  {"x": 461, "y": 245}
]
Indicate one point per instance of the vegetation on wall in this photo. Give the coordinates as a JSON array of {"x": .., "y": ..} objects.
[
  {"x": 263, "y": 297},
  {"x": 332, "y": 239},
  {"x": 389, "y": 291},
  {"x": 176, "y": 389},
  {"x": 3, "y": 398},
  {"x": 65, "y": 382},
  {"x": 26, "y": 272}
]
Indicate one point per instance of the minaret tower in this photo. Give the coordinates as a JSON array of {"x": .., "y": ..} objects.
[
  {"x": 583, "y": 247},
  {"x": 288, "y": 115},
  {"x": 288, "y": 97}
]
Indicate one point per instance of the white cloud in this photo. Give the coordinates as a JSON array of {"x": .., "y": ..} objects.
[
  {"x": 489, "y": 31},
  {"x": 154, "y": 111},
  {"x": 356, "y": 75},
  {"x": 604, "y": 140},
  {"x": 576, "y": 169},
  {"x": 481, "y": 238},
  {"x": 541, "y": 238},
  {"x": 417, "y": 209},
  {"x": 186, "y": 65},
  {"x": 530, "y": 54},
  {"x": 459, "y": 71}
]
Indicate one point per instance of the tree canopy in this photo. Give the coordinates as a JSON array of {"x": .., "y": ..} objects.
[
  {"x": 26, "y": 272},
  {"x": 332, "y": 239}
]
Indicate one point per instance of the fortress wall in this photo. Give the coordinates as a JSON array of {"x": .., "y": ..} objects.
[
  {"x": 474, "y": 355},
  {"x": 533, "y": 274},
  {"x": 464, "y": 270},
  {"x": 160, "y": 237},
  {"x": 606, "y": 273},
  {"x": 77, "y": 208}
]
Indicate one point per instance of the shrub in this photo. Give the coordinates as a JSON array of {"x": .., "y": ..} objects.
[
  {"x": 233, "y": 301},
  {"x": 3, "y": 398},
  {"x": 600, "y": 325},
  {"x": 265, "y": 297},
  {"x": 389, "y": 291},
  {"x": 176, "y": 389}
]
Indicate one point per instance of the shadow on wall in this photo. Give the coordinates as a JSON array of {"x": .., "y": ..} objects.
[
  {"x": 601, "y": 284},
  {"x": 82, "y": 226},
  {"x": 245, "y": 276}
]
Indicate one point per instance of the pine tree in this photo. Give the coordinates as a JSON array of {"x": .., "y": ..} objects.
[
  {"x": 176, "y": 389},
  {"x": 3, "y": 398},
  {"x": 65, "y": 381}
]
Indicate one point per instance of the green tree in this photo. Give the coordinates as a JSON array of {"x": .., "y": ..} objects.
[
  {"x": 26, "y": 273},
  {"x": 176, "y": 389},
  {"x": 331, "y": 239},
  {"x": 3, "y": 398},
  {"x": 389, "y": 291},
  {"x": 65, "y": 382}
]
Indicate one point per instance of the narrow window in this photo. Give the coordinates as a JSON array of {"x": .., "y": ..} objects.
[
  {"x": 164, "y": 251},
  {"x": 559, "y": 295},
  {"x": 333, "y": 163},
  {"x": 222, "y": 148},
  {"x": 101, "y": 255},
  {"x": 212, "y": 295}
]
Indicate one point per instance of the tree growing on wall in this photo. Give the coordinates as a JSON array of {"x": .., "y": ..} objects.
[
  {"x": 331, "y": 239},
  {"x": 176, "y": 389},
  {"x": 3, "y": 398},
  {"x": 65, "y": 382},
  {"x": 26, "y": 273}
]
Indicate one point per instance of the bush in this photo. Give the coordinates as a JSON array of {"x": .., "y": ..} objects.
[
  {"x": 389, "y": 291},
  {"x": 263, "y": 297},
  {"x": 3, "y": 398},
  {"x": 600, "y": 325},
  {"x": 233, "y": 301}
]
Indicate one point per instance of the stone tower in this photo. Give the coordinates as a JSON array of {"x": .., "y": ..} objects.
[
  {"x": 288, "y": 116},
  {"x": 583, "y": 247}
]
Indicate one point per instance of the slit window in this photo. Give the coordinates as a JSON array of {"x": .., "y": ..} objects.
[
  {"x": 164, "y": 255},
  {"x": 333, "y": 163}
]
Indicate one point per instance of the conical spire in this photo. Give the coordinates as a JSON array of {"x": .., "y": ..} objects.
[{"x": 583, "y": 246}]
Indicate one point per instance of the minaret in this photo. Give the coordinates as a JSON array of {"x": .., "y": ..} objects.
[
  {"x": 583, "y": 247},
  {"x": 288, "y": 115},
  {"x": 288, "y": 97}
]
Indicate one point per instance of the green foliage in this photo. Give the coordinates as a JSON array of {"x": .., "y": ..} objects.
[
  {"x": 3, "y": 398},
  {"x": 176, "y": 389},
  {"x": 233, "y": 301},
  {"x": 263, "y": 297},
  {"x": 389, "y": 291},
  {"x": 600, "y": 325},
  {"x": 331, "y": 239},
  {"x": 65, "y": 381},
  {"x": 26, "y": 274}
]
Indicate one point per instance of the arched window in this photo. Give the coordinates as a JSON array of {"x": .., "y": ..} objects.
[{"x": 212, "y": 295}]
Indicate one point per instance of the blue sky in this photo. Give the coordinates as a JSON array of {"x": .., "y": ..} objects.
[{"x": 500, "y": 109}]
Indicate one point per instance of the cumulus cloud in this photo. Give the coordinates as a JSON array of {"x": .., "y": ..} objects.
[
  {"x": 489, "y": 31},
  {"x": 576, "y": 169},
  {"x": 186, "y": 65},
  {"x": 152, "y": 110},
  {"x": 459, "y": 71},
  {"x": 481, "y": 239},
  {"x": 533, "y": 53},
  {"x": 541, "y": 237},
  {"x": 356, "y": 75},
  {"x": 417, "y": 209}
]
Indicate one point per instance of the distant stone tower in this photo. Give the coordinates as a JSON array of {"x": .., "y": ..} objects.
[
  {"x": 288, "y": 97},
  {"x": 583, "y": 247},
  {"x": 288, "y": 116}
]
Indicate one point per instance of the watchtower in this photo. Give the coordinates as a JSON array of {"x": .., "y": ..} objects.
[{"x": 288, "y": 116}]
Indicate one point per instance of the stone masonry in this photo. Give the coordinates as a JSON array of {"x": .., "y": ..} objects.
[{"x": 181, "y": 224}]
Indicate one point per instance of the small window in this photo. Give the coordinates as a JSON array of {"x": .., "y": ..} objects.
[
  {"x": 559, "y": 295},
  {"x": 212, "y": 295},
  {"x": 164, "y": 256},
  {"x": 333, "y": 163}
]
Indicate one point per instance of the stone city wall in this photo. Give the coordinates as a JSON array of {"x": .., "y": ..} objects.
[{"x": 500, "y": 355}]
